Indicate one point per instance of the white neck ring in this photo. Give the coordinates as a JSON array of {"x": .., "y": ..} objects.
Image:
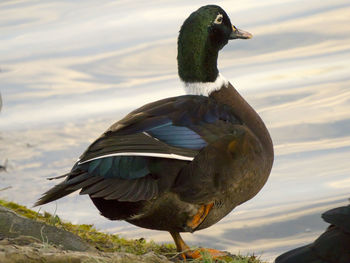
[{"x": 205, "y": 88}]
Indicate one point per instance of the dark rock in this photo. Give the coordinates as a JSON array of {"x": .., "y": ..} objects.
[
  {"x": 333, "y": 246},
  {"x": 13, "y": 225},
  {"x": 339, "y": 217},
  {"x": 26, "y": 240}
]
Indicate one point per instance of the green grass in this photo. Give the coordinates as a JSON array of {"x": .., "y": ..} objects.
[{"x": 114, "y": 243}]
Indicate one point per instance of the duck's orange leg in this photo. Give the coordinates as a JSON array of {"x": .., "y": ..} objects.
[
  {"x": 181, "y": 246},
  {"x": 179, "y": 242},
  {"x": 191, "y": 225}
]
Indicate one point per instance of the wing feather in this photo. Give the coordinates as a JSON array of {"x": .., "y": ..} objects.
[
  {"x": 95, "y": 188},
  {"x": 117, "y": 165}
]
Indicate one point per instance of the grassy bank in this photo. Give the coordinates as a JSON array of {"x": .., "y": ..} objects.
[{"x": 111, "y": 242}]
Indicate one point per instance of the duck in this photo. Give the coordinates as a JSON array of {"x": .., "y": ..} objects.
[
  {"x": 332, "y": 246},
  {"x": 182, "y": 163}
]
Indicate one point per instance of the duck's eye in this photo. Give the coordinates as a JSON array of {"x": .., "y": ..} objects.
[{"x": 218, "y": 19}]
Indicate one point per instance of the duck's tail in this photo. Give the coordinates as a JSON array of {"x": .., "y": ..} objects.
[{"x": 62, "y": 189}]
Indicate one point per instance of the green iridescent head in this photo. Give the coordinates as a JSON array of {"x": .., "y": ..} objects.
[{"x": 202, "y": 35}]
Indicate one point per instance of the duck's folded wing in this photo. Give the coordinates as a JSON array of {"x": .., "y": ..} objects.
[
  {"x": 121, "y": 164},
  {"x": 144, "y": 144},
  {"x": 122, "y": 178},
  {"x": 175, "y": 128}
]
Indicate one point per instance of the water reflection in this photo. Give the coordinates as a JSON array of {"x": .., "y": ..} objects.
[{"x": 70, "y": 69}]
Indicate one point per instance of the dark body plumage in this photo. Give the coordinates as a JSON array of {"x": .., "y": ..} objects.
[
  {"x": 333, "y": 246},
  {"x": 125, "y": 187},
  {"x": 182, "y": 163}
]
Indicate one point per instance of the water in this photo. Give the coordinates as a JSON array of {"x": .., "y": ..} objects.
[{"x": 70, "y": 69}]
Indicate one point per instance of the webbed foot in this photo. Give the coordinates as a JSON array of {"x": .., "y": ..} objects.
[{"x": 201, "y": 253}]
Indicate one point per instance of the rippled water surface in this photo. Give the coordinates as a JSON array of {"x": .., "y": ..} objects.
[{"x": 69, "y": 69}]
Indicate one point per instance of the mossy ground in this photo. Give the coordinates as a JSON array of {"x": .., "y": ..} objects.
[{"x": 114, "y": 243}]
